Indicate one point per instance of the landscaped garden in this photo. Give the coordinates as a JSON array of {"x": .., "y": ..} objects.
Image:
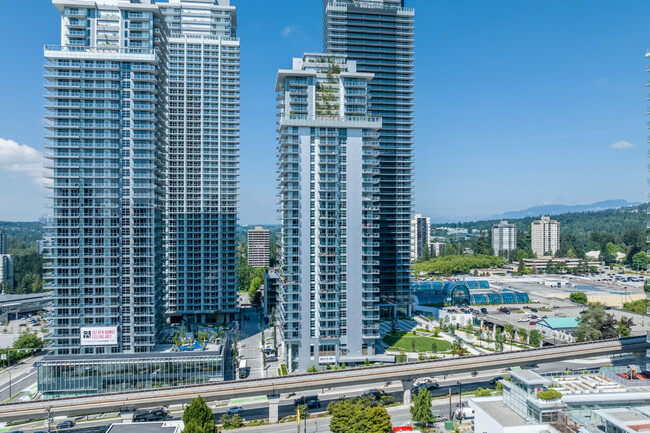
[{"x": 414, "y": 343}]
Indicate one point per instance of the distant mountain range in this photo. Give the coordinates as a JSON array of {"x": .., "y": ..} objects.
[{"x": 558, "y": 209}]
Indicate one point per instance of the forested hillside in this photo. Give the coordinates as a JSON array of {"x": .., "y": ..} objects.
[
  {"x": 28, "y": 265},
  {"x": 608, "y": 231}
]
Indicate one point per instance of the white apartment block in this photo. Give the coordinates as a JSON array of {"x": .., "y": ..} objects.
[
  {"x": 504, "y": 237},
  {"x": 201, "y": 241},
  {"x": 545, "y": 236},
  {"x": 106, "y": 98},
  {"x": 6, "y": 272},
  {"x": 259, "y": 247},
  {"x": 327, "y": 157},
  {"x": 436, "y": 248},
  {"x": 420, "y": 235}
]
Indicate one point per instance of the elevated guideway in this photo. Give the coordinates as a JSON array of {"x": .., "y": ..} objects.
[{"x": 273, "y": 387}]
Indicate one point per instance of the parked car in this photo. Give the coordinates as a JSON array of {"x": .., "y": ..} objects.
[
  {"x": 65, "y": 424},
  {"x": 532, "y": 323},
  {"x": 271, "y": 358},
  {"x": 522, "y": 319},
  {"x": 484, "y": 310},
  {"x": 534, "y": 310},
  {"x": 234, "y": 410}
]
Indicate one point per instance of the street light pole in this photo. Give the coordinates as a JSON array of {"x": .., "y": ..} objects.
[
  {"x": 49, "y": 418},
  {"x": 460, "y": 395}
]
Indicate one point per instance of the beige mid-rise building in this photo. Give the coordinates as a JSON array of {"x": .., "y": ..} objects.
[
  {"x": 259, "y": 247},
  {"x": 545, "y": 236}
]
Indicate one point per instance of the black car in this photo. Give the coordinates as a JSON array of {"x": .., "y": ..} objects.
[
  {"x": 313, "y": 403},
  {"x": 305, "y": 400},
  {"x": 484, "y": 310},
  {"x": 534, "y": 310},
  {"x": 65, "y": 424},
  {"x": 495, "y": 380},
  {"x": 374, "y": 393}
]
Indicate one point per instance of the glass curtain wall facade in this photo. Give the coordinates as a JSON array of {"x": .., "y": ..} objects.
[
  {"x": 60, "y": 375},
  {"x": 378, "y": 35},
  {"x": 106, "y": 161},
  {"x": 327, "y": 158},
  {"x": 203, "y": 159}
]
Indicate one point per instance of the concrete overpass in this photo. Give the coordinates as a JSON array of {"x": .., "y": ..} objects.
[{"x": 275, "y": 386}]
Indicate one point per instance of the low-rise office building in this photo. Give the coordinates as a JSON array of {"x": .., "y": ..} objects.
[
  {"x": 60, "y": 375},
  {"x": 561, "y": 328},
  {"x": 18, "y": 306},
  {"x": 521, "y": 409},
  {"x": 541, "y": 263}
]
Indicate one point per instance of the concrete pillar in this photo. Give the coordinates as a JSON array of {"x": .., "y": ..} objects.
[
  {"x": 407, "y": 384},
  {"x": 274, "y": 402},
  {"x": 639, "y": 359}
]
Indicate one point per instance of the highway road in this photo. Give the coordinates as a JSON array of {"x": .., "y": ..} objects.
[
  {"x": 399, "y": 415},
  {"x": 17, "y": 377}
]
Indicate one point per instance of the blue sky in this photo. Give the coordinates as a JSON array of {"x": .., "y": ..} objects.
[{"x": 518, "y": 103}]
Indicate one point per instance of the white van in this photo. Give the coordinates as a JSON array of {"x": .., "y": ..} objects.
[{"x": 464, "y": 413}]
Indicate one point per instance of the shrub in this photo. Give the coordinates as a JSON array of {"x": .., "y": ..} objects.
[{"x": 549, "y": 394}]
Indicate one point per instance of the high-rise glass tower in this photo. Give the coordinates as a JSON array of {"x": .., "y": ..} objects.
[
  {"x": 203, "y": 158},
  {"x": 378, "y": 35},
  {"x": 327, "y": 157},
  {"x": 106, "y": 98}
]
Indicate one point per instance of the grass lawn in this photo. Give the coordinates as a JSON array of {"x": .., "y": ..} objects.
[{"x": 422, "y": 344}]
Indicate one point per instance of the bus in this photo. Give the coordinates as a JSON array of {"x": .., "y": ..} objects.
[{"x": 243, "y": 369}]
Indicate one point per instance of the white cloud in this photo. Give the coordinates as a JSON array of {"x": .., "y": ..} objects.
[
  {"x": 290, "y": 29},
  {"x": 16, "y": 157},
  {"x": 622, "y": 145}
]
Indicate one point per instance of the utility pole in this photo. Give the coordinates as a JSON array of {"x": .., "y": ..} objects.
[
  {"x": 49, "y": 418},
  {"x": 450, "y": 403}
]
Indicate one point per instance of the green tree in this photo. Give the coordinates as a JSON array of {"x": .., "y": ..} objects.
[
  {"x": 421, "y": 410},
  {"x": 639, "y": 306},
  {"x": 426, "y": 254},
  {"x": 343, "y": 414},
  {"x": 353, "y": 416},
  {"x": 640, "y": 261},
  {"x": 578, "y": 297},
  {"x": 498, "y": 342},
  {"x": 483, "y": 392},
  {"x": 28, "y": 340},
  {"x": 510, "y": 330},
  {"x": 592, "y": 323},
  {"x": 199, "y": 416},
  {"x": 624, "y": 325},
  {"x": 535, "y": 338},
  {"x": 522, "y": 269},
  {"x": 523, "y": 334}
]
